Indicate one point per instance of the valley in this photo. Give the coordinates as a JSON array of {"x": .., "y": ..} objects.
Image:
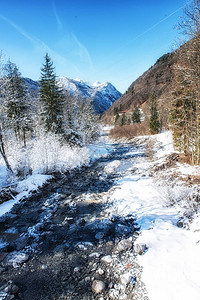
[{"x": 88, "y": 234}]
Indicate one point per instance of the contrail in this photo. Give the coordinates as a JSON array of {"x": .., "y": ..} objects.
[
  {"x": 20, "y": 30},
  {"x": 150, "y": 28},
  {"x": 83, "y": 52},
  {"x": 59, "y": 23},
  {"x": 138, "y": 36}
]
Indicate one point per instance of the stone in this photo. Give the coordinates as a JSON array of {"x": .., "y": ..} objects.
[
  {"x": 100, "y": 271},
  {"x": 125, "y": 278},
  {"x": 44, "y": 267},
  {"x": 8, "y": 290},
  {"x": 11, "y": 288},
  {"x": 39, "y": 226},
  {"x": 6, "y": 296},
  {"x": 1, "y": 270},
  {"x": 99, "y": 235},
  {"x": 98, "y": 286},
  {"x": 123, "y": 245},
  {"x": 21, "y": 242},
  {"x": 121, "y": 230},
  {"x": 140, "y": 249},
  {"x": 107, "y": 259},
  {"x": 77, "y": 269},
  {"x": 94, "y": 254},
  {"x": 113, "y": 294},
  {"x": 15, "y": 259}
]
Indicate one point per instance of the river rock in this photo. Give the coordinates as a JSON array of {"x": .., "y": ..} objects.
[
  {"x": 140, "y": 249},
  {"x": 8, "y": 291},
  {"x": 113, "y": 294},
  {"x": 107, "y": 259},
  {"x": 98, "y": 286},
  {"x": 121, "y": 230},
  {"x": 125, "y": 278},
  {"x": 99, "y": 235},
  {"x": 20, "y": 243},
  {"x": 15, "y": 259},
  {"x": 123, "y": 245}
]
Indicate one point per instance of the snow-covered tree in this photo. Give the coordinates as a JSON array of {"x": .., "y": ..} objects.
[
  {"x": 51, "y": 97},
  {"x": 17, "y": 109},
  {"x": 71, "y": 121},
  {"x": 87, "y": 122}
]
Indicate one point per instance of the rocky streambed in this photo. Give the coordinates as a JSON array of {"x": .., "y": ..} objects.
[{"x": 64, "y": 243}]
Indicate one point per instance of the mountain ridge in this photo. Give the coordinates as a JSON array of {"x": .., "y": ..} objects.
[{"x": 102, "y": 95}]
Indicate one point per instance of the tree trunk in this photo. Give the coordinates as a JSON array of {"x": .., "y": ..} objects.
[{"x": 2, "y": 151}]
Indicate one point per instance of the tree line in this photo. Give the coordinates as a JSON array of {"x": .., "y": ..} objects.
[{"x": 136, "y": 116}]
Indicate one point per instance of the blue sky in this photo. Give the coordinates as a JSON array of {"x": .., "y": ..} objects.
[{"x": 113, "y": 40}]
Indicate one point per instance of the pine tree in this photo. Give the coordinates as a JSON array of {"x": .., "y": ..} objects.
[
  {"x": 116, "y": 110},
  {"x": 136, "y": 116},
  {"x": 51, "y": 97},
  {"x": 123, "y": 120},
  {"x": 154, "y": 123},
  {"x": 116, "y": 118},
  {"x": 16, "y": 106}
]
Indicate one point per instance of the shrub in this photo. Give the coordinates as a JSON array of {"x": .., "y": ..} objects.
[{"x": 130, "y": 131}]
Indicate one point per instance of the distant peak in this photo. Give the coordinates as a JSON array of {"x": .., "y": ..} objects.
[{"x": 97, "y": 83}]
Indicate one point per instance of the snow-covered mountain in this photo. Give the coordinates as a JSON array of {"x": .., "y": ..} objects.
[{"x": 102, "y": 95}]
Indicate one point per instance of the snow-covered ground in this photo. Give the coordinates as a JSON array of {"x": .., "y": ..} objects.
[
  {"x": 59, "y": 158},
  {"x": 171, "y": 265}
]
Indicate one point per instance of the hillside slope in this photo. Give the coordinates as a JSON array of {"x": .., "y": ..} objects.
[{"x": 158, "y": 79}]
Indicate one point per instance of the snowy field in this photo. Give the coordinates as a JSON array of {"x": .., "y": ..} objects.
[{"x": 171, "y": 265}]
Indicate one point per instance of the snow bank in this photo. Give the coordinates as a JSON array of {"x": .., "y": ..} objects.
[
  {"x": 163, "y": 144},
  {"x": 171, "y": 265},
  {"x": 24, "y": 189},
  {"x": 111, "y": 167},
  {"x": 186, "y": 169}
]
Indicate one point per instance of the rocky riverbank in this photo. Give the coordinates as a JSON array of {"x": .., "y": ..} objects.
[{"x": 65, "y": 243}]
